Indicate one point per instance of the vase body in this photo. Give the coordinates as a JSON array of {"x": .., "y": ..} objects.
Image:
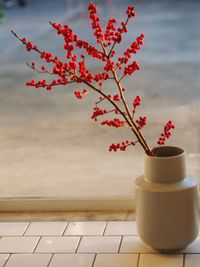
[{"x": 167, "y": 213}]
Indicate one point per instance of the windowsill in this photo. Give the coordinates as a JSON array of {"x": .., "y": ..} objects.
[{"x": 63, "y": 204}]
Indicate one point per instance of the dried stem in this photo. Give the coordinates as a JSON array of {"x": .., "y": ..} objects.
[
  {"x": 131, "y": 123},
  {"x": 134, "y": 126},
  {"x": 37, "y": 70},
  {"x": 113, "y": 46}
]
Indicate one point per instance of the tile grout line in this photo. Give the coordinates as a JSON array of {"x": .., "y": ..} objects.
[
  {"x": 7, "y": 259},
  {"x": 78, "y": 245},
  {"x": 105, "y": 229},
  {"x": 78, "y": 235},
  {"x": 50, "y": 260},
  {"x": 37, "y": 244},
  {"x": 87, "y": 235},
  {"x": 120, "y": 244},
  {"x": 19, "y": 236},
  {"x": 138, "y": 261},
  {"x": 26, "y": 228},
  {"x": 63, "y": 234},
  {"x": 94, "y": 260}
]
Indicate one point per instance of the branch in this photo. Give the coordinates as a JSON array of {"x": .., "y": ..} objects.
[
  {"x": 37, "y": 70},
  {"x": 84, "y": 44},
  {"x": 113, "y": 46},
  {"x": 108, "y": 99},
  {"x": 129, "y": 119}
]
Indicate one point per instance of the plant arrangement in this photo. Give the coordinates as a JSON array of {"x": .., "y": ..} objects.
[{"x": 74, "y": 69}]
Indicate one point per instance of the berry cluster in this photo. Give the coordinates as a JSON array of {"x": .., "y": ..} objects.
[
  {"x": 101, "y": 76},
  {"x": 98, "y": 32},
  {"x": 80, "y": 94},
  {"x": 110, "y": 31},
  {"x": 84, "y": 73},
  {"x": 141, "y": 122},
  {"x": 135, "y": 46},
  {"x": 122, "y": 146},
  {"x": 113, "y": 123},
  {"x": 109, "y": 66},
  {"x": 98, "y": 112},
  {"x": 166, "y": 133},
  {"x": 136, "y": 103},
  {"x": 116, "y": 98},
  {"x": 130, "y": 11},
  {"x": 130, "y": 69}
]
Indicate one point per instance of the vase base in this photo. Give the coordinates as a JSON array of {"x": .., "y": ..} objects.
[{"x": 169, "y": 251}]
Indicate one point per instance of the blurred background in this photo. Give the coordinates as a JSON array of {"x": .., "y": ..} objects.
[{"x": 49, "y": 147}]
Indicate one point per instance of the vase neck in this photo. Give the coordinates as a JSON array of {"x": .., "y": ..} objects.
[{"x": 169, "y": 169}]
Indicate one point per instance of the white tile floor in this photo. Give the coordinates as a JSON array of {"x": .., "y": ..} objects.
[{"x": 84, "y": 244}]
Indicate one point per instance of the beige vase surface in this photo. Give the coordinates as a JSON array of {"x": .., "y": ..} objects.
[{"x": 167, "y": 213}]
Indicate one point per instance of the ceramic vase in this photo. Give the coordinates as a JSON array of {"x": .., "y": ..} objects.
[{"x": 167, "y": 213}]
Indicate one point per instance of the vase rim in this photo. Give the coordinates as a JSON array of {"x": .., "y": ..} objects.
[{"x": 164, "y": 152}]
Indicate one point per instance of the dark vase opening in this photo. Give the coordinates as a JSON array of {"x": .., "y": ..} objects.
[{"x": 167, "y": 151}]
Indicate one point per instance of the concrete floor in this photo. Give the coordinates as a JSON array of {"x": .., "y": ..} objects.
[{"x": 48, "y": 144}]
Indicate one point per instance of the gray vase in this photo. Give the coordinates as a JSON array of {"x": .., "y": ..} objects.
[{"x": 167, "y": 213}]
